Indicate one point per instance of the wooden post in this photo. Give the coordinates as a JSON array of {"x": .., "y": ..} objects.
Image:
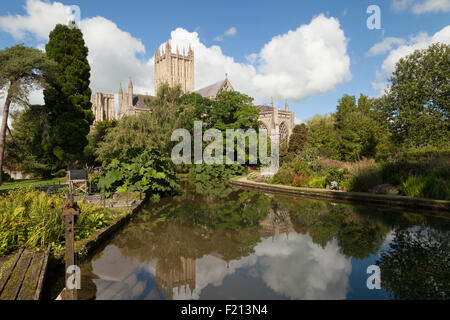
[{"x": 69, "y": 215}]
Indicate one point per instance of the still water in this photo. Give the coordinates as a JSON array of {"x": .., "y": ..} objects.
[{"x": 215, "y": 242}]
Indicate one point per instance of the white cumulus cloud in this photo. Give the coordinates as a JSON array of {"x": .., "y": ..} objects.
[
  {"x": 310, "y": 60},
  {"x": 420, "y": 41},
  {"x": 386, "y": 45},
  {"x": 40, "y": 18}
]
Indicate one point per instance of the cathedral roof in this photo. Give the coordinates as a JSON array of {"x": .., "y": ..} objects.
[
  {"x": 137, "y": 102},
  {"x": 214, "y": 89},
  {"x": 264, "y": 107},
  {"x": 211, "y": 90}
]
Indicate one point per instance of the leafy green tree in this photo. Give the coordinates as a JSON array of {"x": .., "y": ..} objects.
[
  {"x": 95, "y": 137},
  {"x": 199, "y": 107},
  {"x": 21, "y": 69},
  {"x": 357, "y": 128},
  {"x": 30, "y": 130},
  {"x": 68, "y": 95},
  {"x": 322, "y": 136},
  {"x": 298, "y": 138},
  {"x": 417, "y": 103},
  {"x": 233, "y": 110},
  {"x": 134, "y": 134}
]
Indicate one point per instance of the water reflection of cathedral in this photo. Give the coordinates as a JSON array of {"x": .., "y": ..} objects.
[
  {"x": 276, "y": 222},
  {"x": 182, "y": 278}
]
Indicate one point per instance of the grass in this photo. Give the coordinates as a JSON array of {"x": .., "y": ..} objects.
[{"x": 15, "y": 184}]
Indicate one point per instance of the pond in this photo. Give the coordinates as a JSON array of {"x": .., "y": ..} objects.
[{"x": 215, "y": 242}]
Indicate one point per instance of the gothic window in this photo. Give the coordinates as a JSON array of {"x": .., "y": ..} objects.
[{"x": 283, "y": 133}]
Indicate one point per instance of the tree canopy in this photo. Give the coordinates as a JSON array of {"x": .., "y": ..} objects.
[
  {"x": 417, "y": 103},
  {"x": 21, "y": 70}
]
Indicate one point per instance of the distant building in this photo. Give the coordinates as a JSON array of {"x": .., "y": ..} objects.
[
  {"x": 174, "y": 68},
  {"x": 103, "y": 107},
  {"x": 129, "y": 103},
  {"x": 273, "y": 118}
]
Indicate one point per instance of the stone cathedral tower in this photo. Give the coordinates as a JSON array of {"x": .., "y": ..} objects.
[{"x": 174, "y": 68}]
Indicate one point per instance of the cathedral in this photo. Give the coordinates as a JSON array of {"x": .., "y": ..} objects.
[{"x": 178, "y": 68}]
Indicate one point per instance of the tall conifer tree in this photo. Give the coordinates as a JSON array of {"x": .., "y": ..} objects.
[{"x": 68, "y": 95}]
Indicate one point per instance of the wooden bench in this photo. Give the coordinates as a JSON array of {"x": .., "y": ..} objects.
[{"x": 22, "y": 276}]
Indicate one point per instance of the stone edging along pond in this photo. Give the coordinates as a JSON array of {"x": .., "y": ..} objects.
[
  {"x": 442, "y": 206},
  {"x": 86, "y": 247}
]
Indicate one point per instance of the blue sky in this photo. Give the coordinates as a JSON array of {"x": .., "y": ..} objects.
[{"x": 258, "y": 27}]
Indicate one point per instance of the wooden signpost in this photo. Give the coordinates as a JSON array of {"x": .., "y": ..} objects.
[{"x": 69, "y": 215}]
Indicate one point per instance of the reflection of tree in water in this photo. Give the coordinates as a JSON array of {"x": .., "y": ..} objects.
[
  {"x": 212, "y": 180},
  {"x": 358, "y": 234},
  {"x": 417, "y": 264},
  {"x": 177, "y": 231}
]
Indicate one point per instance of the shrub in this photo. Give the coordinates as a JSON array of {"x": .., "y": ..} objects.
[
  {"x": 437, "y": 188},
  {"x": 335, "y": 174},
  {"x": 300, "y": 167},
  {"x": 414, "y": 186},
  {"x": 437, "y": 185},
  {"x": 396, "y": 171},
  {"x": 317, "y": 182},
  {"x": 442, "y": 172},
  {"x": 149, "y": 172},
  {"x": 364, "y": 180},
  {"x": 300, "y": 180},
  {"x": 33, "y": 219},
  {"x": 283, "y": 176}
]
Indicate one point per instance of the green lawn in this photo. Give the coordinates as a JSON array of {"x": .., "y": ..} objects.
[{"x": 33, "y": 182}]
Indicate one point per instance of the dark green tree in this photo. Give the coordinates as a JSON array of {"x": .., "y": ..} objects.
[
  {"x": 233, "y": 110},
  {"x": 298, "y": 138},
  {"x": 322, "y": 136},
  {"x": 357, "y": 128},
  {"x": 67, "y": 96},
  {"x": 20, "y": 69}
]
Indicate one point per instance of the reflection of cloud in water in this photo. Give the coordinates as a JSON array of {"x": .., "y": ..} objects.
[
  {"x": 211, "y": 271},
  {"x": 293, "y": 267},
  {"x": 299, "y": 269},
  {"x": 122, "y": 278}
]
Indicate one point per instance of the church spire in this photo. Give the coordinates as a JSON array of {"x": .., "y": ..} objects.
[
  {"x": 130, "y": 93},
  {"x": 168, "y": 47},
  {"x": 286, "y": 106},
  {"x": 271, "y": 102}
]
